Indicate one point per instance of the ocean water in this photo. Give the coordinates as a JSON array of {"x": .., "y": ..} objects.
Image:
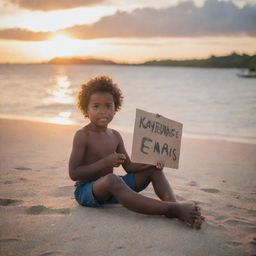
[{"x": 213, "y": 103}]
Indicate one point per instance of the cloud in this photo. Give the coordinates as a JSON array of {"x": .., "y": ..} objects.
[
  {"x": 214, "y": 18},
  {"x": 24, "y": 35},
  {"x": 44, "y": 5}
]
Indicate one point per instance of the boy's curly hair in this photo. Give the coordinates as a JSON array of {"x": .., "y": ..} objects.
[{"x": 98, "y": 84}]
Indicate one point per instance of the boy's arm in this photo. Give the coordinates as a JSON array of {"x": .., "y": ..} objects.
[
  {"x": 128, "y": 165},
  {"x": 80, "y": 172}
]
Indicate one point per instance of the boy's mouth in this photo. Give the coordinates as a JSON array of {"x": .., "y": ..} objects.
[{"x": 103, "y": 119}]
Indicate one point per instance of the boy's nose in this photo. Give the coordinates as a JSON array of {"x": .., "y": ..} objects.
[{"x": 102, "y": 110}]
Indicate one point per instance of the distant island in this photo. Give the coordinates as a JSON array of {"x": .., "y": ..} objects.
[
  {"x": 233, "y": 60},
  {"x": 80, "y": 61},
  {"x": 230, "y": 61}
]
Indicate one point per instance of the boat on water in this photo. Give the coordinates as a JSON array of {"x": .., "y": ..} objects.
[{"x": 249, "y": 73}]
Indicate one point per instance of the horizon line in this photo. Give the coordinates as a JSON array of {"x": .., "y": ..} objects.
[{"x": 122, "y": 62}]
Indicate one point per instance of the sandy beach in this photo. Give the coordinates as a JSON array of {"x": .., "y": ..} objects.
[{"x": 39, "y": 215}]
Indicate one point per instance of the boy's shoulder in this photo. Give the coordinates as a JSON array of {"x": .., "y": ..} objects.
[
  {"x": 115, "y": 132},
  {"x": 82, "y": 130},
  {"x": 81, "y": 133},
  {"x": 117, "y": 136}
]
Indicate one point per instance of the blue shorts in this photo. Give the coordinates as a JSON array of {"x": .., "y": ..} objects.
[{"x": 84, "y": 192}]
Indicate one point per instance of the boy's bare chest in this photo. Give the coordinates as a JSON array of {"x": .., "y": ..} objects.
[{"x": 101, "y": 146}]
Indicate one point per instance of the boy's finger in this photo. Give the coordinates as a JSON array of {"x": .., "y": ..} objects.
[
  {"x": 120, "y": 155},
  {"x": 159, "y": 165},
  {"x": 121, "y": 158}
]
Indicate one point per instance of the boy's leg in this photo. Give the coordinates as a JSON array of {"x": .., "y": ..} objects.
[
  {"x": 160, "y": 184},
  {"x": 111, "y": 184}
]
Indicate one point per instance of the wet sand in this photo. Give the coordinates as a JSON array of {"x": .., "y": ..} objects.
[{"x": 39, "y": 215}]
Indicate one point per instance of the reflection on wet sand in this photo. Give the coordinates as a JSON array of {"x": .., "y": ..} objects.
[{"x": 62, "y": 118}]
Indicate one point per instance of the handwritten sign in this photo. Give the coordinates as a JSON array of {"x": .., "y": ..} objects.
[{"x": 156, "y": 139}]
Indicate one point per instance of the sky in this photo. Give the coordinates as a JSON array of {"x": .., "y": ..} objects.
[{"x": 129, "y": 31}]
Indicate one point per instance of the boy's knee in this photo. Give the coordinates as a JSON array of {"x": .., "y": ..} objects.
[
  {"x": 150, "y": 170},
  {"x": 113, "y": 181}
]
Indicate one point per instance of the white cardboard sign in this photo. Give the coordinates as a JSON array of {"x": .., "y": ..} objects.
[{"x": 156, "y": 139}]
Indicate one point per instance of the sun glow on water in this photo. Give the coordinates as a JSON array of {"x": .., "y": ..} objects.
[{"x": 60, "y": 93}]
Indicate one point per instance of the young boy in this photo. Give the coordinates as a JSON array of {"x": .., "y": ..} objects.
[{"x": 97, "y": 149}]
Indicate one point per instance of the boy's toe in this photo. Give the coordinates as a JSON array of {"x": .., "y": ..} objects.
[
  {"x": 197, "y": 208},
  {"x": 197, "y": 224},
  {"x": 198, "y": 221}
]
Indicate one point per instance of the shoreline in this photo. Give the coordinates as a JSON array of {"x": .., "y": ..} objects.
[{"x": 220, "y": 137}]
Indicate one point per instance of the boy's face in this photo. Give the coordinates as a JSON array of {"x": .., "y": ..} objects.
[{"x": 101, "y": 108}]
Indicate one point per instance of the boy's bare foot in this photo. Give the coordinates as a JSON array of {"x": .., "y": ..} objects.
[{"x": 188, "y": 212}]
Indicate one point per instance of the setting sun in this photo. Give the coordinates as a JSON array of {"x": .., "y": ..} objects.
[{"x": 63, "y": 45}]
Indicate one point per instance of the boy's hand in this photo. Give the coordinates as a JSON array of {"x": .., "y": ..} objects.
[
  {"x": 114, "y": 160},
  {"x": 160, "y": 166}
]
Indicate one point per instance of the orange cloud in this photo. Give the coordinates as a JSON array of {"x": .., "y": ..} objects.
[
  {"x": 24, "y": 35},
  {"x": 53, "y": 5}
]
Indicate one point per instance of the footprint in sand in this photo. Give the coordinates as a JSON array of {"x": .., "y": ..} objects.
[
  {"x": 56, "y": 253},
  {"x": 234, "y": 243},
  {"x": 210, "y": 190},
  {"x": 53, "y": 167},
  {"x": 7, "y": 201},
  {"x": 253, "y": 241},
  {"x": 7, "y": 240},
  {"x": 23, "y": 179},
  {"x": 23, "y": 168},
  {"x": 192, "y": 183},
  {"x": 120, "y": 247},
  {"x": 8, "y": 182},
  {"x": 40, "y": 209},
  {"x": 253, "y": 212},
  {"x": 14, "y": 181}
]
